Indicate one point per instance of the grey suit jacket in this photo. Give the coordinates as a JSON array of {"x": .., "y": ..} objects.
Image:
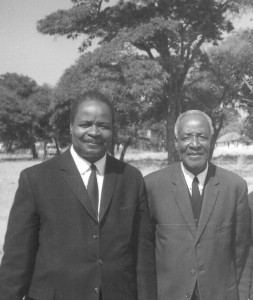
[
  {"x": 246, "y": 281},
  {"x": 211, "y": 254}
]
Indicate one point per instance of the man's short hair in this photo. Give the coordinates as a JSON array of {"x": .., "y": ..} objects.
[
  {"x": 193, "y": 112},
  {"x": 90, "y": 95}
]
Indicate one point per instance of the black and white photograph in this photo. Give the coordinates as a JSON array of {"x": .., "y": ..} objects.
[{"x": 126, "y": 150}]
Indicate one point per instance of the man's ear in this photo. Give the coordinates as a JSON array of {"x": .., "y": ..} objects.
[
  {"x": 176, "y": 143},
  {"x": 212, "y": 141}
]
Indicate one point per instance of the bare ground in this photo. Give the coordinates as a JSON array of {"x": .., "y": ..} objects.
[{"x": 10, "y": 170}]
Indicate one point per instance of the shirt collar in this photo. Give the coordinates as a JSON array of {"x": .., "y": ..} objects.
[
  {"x": 189, "y": 176},
  {"x": 83, "y": 165}
]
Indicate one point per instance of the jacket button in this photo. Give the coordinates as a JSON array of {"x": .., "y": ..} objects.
[
  {"x": 187, "y": 295},
  {"x": 100, "y": 261},
  {"x": 96, "y": 290},
  {"x": 193, "y": 271},
  {"x": 95, "y": 236}
]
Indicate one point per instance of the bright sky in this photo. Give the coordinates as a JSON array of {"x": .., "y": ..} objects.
[
  {"x": 28, "y": 52},
  {"x": 41, "y": 57}
]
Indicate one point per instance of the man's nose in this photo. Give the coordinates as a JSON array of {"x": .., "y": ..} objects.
[
  {"x": 195, "y": 141},
  {"x": 94, "y": 130}
]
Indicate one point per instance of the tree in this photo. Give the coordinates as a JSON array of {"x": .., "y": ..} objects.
[
  {"x": 21, "y": 118},
  {"x": 249, "y": 124},
  {"x": 22, "y": 85},
  {"x": 9, "y": 114},
  {"x": 217, "y": 85},
  {"x": 25, "y": 112},
  {"x": 133, "y": 85},
  {"x": 234, "y": 123},
  {"x": 170, "y": 32},
  {"x": 40, "y": 104}
]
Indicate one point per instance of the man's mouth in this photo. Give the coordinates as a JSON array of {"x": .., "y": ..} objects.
[
  {"x": 94, "y": 145},
  {"x": 92, "y": 142},
  {"x": 195, "y": 154}
]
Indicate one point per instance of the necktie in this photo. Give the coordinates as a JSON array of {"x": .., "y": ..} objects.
[
  {"x": 196, "y": 200},
  {"x": 92, "y": 188}
]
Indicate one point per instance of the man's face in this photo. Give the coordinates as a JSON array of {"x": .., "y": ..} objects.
[
  {"x": 194, "y": 142},
  {"x": 92, "y": 129}
]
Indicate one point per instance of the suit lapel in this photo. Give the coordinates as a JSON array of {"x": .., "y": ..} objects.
[
  {"x": 209, "y": 200},
  {"x": 109, "y": 184},
  {"x": 181, "y": 194},
  {"x": 70, "y": 173}
]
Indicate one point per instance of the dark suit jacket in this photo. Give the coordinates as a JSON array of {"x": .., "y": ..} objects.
[
  {"x": 246, "y": 282},
  {"x": 212, "y": 253},
  {"x": 56, "y": 249}
]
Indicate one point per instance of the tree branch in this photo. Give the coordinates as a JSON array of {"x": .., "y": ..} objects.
[
  {"x": 145, "y": 48},
  {"x": 99, "y": 6}
]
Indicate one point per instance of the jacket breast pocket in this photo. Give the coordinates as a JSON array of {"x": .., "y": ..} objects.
[
  {"x": 36, "y": 293},
  {"x": 224, "y": 230}
]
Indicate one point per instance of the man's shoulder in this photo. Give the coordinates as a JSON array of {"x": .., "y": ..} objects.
[
  {"x": 250, "y": 196},
  {"x": 121, "y": 167},
  {"x": 46, "y": 165},
  {"x": 227, "y": 175},
  {"x": 163, "y": 173},
  {"x": 250, "y": 200}
]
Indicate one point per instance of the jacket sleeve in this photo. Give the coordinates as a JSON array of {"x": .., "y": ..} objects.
[
  {"x": 245, "y": 286},
  {"x": 242, "y": 234},
  {"x": 246, "y": 281},
  {"x": 146, "y": 271},
  {"x": 21, "y": 242}
]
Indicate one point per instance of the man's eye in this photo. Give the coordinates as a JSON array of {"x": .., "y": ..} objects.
[
  {"x": 104, "y": 126},
  {"x": 203, "y": 138},
  {"x": 84, "y": 125},
  {"x": 185, "y": 138}
]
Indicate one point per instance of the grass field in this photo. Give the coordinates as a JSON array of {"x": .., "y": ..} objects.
[{"x": 10, "y": 168}]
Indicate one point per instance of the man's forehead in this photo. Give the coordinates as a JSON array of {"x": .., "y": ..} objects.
[
  {"x": 193, "y": 117},
  {"x": 194, "y": 123},
  {"x": 193, "y": 120}
]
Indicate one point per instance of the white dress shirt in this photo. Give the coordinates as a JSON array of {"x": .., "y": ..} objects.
[
  {"x": 84, "y": 169},
  {"x": 189, "y": 178}
]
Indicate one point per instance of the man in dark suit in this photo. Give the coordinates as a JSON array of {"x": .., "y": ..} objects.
[
  {"x": 79, "y": 228},
  {"x": 246, "y": 282},
  {"x": 201, "y": 217}
]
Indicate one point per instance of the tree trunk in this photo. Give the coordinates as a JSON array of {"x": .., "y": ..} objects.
[
  {"x": 173, "y": 100},
  {"x": 9, "y": 148},
  {"x": 34, "y": 151},
  {"x": 171, "y": 120},
  {"x": 212, "y": 147},
  {"x": 126, "y": 144},
  {"x": 57, "y": 146},
  {"x": 45, "y": 149},
  {"x": 217, "y": 128},
  {"x": 170, "y": 138},
  {"x": 111, "y": 147}
]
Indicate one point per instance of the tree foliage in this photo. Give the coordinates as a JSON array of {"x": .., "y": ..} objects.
[
  {"x": 25, "y": 112},
  {"x": 169, "y": 32},
  {"x": 9, "y": 113},
  {"x": 22, "y": 85},
  {"x": 133, "y": 85},
  {"x": 218, "y": 84},
  {"x": 40, "y": 103}
]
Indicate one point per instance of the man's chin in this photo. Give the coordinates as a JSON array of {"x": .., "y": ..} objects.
[
  {"x": 93, "y": 156},
  {"x": 195, "y": 167}
]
